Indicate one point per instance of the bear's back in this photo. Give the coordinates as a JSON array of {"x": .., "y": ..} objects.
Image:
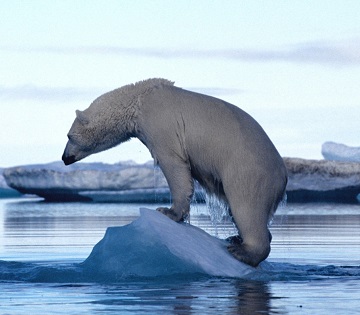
[{"x": 208, "y": 122}]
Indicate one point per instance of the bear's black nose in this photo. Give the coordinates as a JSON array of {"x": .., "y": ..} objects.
[{"x": 68, "y": 159}]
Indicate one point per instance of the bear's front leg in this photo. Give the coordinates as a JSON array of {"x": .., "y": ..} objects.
[{"x": 178, "y": 176}]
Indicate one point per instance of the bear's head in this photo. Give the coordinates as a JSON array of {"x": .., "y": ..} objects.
[{"x": 102, "y": 126}]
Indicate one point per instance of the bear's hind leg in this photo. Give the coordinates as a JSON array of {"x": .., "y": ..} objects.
[
  {"x": 251, "y": 206},
  {"x": 252, "y": 245}
]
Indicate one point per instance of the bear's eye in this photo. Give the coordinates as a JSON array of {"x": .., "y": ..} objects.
[{"x": 71, "y": 138}]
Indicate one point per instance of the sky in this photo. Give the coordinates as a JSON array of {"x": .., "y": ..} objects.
[{"x": 293, "y": 65}]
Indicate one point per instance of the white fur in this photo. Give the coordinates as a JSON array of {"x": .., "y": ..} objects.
[{"x": 192, "y": 136}]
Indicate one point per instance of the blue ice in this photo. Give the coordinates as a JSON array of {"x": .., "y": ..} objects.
[{"x": 153, "y": 245}]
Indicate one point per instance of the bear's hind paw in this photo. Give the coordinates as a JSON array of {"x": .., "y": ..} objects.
[
  {"x": 234, "y": 240},
  {"x": 240, "y": 254}
]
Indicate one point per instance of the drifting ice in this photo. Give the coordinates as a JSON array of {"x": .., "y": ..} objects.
[
  {"x": 153, "y": 245},
  {"x": 340, "y": 152}
]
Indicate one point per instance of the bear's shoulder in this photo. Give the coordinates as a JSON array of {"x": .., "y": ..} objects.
[
  {"x": 153, "y": 82},
  {"x": 134, "y": 90},
  {"x": 128, "y": 93},
  {"x": 145, "y": 85}
]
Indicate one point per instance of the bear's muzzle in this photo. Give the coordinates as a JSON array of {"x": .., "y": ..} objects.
[{"x": 68, "y": 159}]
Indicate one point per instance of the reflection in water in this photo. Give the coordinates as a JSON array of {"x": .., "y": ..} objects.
[
  {"x": 205, "y": 296},
  {"x": 228, "y": 296},
  {"x": 253, "y": 297}
]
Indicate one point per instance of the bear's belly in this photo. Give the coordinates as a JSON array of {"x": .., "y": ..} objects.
[{"x": 211, "y": 183}]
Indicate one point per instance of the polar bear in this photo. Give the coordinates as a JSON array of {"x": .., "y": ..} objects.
[{"x": 192, "y": 136}]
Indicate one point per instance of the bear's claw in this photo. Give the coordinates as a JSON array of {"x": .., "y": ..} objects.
[{"x": 171, "y": 214}]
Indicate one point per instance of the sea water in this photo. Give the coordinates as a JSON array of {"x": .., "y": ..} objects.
[{"x": 313, "y": 268}]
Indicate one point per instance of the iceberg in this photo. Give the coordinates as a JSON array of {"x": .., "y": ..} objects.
[
  {"x": 340, "y": 152},
  {"x": 122, "y": 182},
  {"x": 5, "y": 190},
  {"x": 309, "y": 180},
  {"x": 153, "y": 245},
  {"x": 321, "y": 180}
]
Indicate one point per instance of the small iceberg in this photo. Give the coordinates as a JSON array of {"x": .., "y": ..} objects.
[
  {"x": 333, "y": 151},
  {"x": 154, "y": 245}
]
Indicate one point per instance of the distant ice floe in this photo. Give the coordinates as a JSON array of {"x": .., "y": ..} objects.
[
  {"x": 123, "y": 182},
  {"x": 322, "y": 180},
  {"x": 333, "y": 151},
  {"x": 5, "y": 190},
  {"x": 309, "y": 180}
]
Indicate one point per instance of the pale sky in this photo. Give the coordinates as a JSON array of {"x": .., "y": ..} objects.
[{"x": 293, "y": 65}]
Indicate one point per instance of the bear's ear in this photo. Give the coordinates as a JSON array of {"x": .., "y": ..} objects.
[{"x": 82, "y": 117}]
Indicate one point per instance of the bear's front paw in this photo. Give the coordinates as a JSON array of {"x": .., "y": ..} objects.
[{"x": 170, "y": 213}]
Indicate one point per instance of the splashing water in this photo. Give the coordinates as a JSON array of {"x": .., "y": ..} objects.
[
  {"x": 219, "y": 216},
  {"x": 281, "y": 207}
]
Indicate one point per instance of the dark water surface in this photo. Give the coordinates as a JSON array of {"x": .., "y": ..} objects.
[{"x": 314, "y": 266}]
